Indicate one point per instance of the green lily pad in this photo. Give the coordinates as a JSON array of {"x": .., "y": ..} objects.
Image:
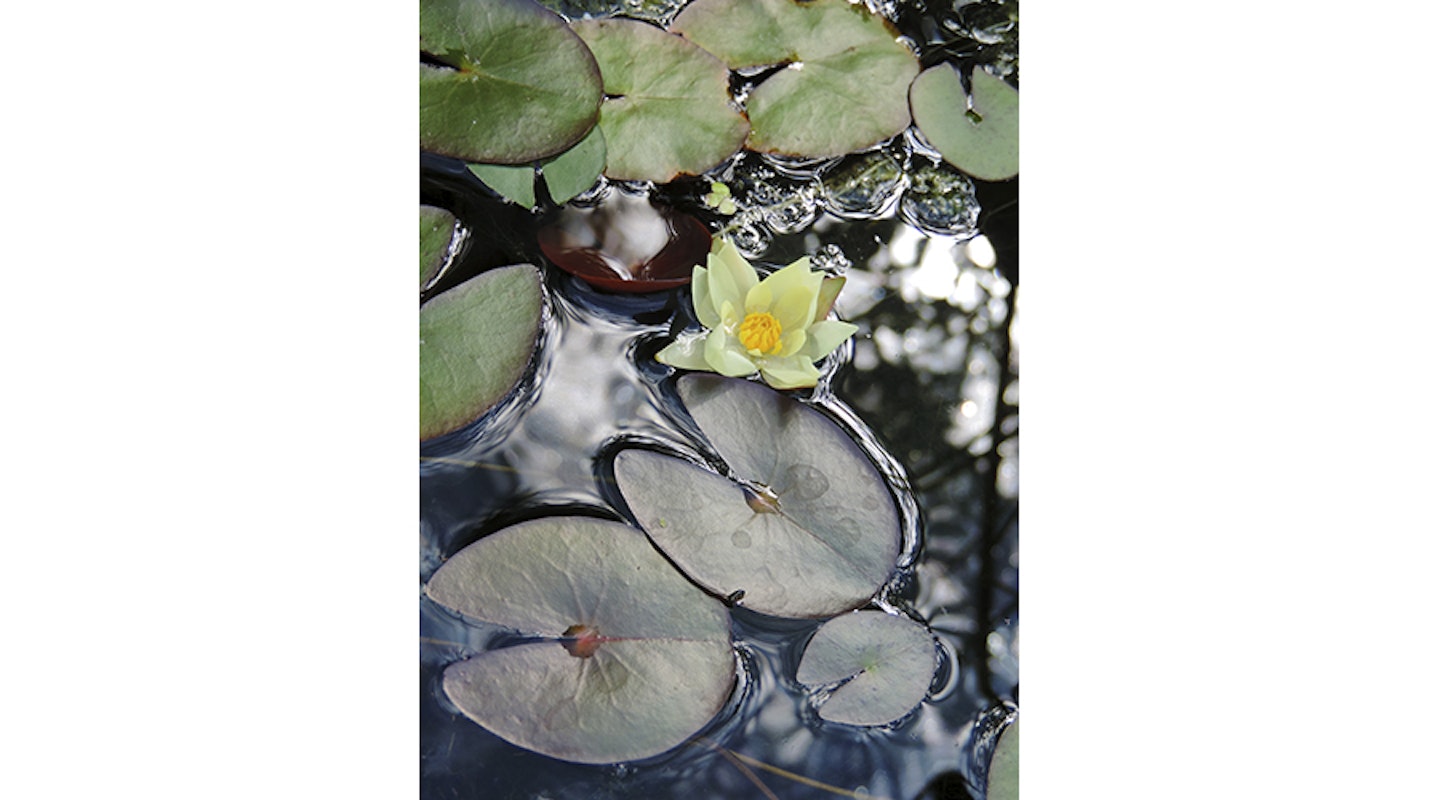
[
  {"x": 504, "y": 81},
  {"x": 475, "y": 343},
  {"x": 667, "y": 109},
  {"x": 437, "y": 229},
  {"x": 817, "y": 535},
  {"x": 885, "y": 661},
  {"x": 845, "y": 86},
  {"x": 983, "y": 140},
  {"x": 514, "y": 183},
  {"x": 636, "y": 661},
  {"x": 1002, "y": 782}
]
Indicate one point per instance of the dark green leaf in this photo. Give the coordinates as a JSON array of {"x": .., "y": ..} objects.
[
  {"x": 475, "y": 343},
  {"x": 513, "y": 83}
]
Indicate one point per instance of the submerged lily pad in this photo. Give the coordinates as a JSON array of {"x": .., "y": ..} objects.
[
  {"x": 982, "y": 140},
  {"x": 817, "y": 536},
  {"x": 667, "y": 109},
  {"x": 475, "y": 343},
  {"x": 502, "y": 81},
  {"x": 636, "y": 660},
  {"x": 437, "y": 229},
  {"x": 885, "y": 661},
  {"x": 845, "y": 86}
]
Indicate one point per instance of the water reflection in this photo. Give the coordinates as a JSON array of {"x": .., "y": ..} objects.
[{"x": 932, "y": 283}]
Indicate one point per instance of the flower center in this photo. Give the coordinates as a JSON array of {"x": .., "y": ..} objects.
[{"x": 760, "y": 331}]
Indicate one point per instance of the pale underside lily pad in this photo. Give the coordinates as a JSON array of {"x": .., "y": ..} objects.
[
  {"x": 475, "y": 344},
  {"x": 507, "y": 81},
  {"x": 844, "y": 88},
  {"x": 822, "y": 541},
  {"x": 1002, "y": 782},
  {"x": 668, "y": 109},
  {"x": 982, "y": 140},
  {"x": 437, "y": 229},
  {"x": 886, "y": 663},
  {"x": 636, "y": 661}
]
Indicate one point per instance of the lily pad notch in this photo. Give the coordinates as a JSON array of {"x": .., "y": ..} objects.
[
  {"x": 503, "y": 81},
  {"x": 805, "y": 528},
  {"x": 626, "y": 659}
]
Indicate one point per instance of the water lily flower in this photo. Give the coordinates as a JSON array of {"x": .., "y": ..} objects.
[{"x": 776, "y": 326}]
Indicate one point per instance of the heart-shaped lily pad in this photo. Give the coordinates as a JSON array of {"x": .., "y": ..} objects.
[
  {"x": 636, "y": 660},
  {"x": 475, "y": 343},
  {"x": 982, "y": 140},
  {"x": 819, "y": 533},
  {"x": 845, "y": 86},
  {"x": 885, "y": 661},
  {"x": 667, "y": 109},
  {"x": 437, "y": 229},
  {"x": 502, "y": 81}
]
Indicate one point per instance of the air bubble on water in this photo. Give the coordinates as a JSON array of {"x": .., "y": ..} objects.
[
  {"x": 831, "y": 258},
  {"x": 941, "y": 201},
  {"x": 751, "y": 237},
  {"x": 862, "y": 186}
]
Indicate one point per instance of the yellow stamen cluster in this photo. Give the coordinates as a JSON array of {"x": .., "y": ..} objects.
[{"x": 760, "y": 331}]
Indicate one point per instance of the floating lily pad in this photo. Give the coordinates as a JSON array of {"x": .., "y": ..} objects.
[
  {"x": 667, "y": 109},
  {"x": 437, "y": 229},
  {"x": 576, "y": 169},
  {"x": 1002, "y": 782},
  {"x": 475, "y": 343},
  {"x": 845, "y": 86},
  {"x": 514, "y": 183},
  {"x": 636, "y": 660},
  {"x": 820, "y": 537},
  {"x": 627, "y": 245},
  {"x": 982, "y": 140},
  {"x": 885, "y": 661},
  {"x": 502, "y": 81}
]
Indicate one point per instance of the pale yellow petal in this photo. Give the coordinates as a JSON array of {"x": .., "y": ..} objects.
[
  {"x": 797, "y": 274},
  {"x": 829, "y": 290},
  {"x": 686, "y": 352},
  {"x": 731, "y": 276},
  {"x": 759, "y": 298},
  {"x": 725, "y": 356},
  {"x": 795, "y": 372},
  {"x": 705, "y": 310},
  {"x": 791, "y": 342},
  {"x": 825, "y": 336},
  {"x": 794, "y": 308}
]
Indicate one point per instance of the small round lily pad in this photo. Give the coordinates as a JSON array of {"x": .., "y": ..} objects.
[
  {"x": 633, "y": 661},
  {"x": 982, "y": 139},
  {"x": 886, "y": 663},
  {"x": 667, "y": 109},
  {"x": 475, "y": 344},
  {"x": 502, "y": 81}
]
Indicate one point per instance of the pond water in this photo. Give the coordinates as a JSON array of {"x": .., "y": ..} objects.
[{"x": 931, "y": 379}]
